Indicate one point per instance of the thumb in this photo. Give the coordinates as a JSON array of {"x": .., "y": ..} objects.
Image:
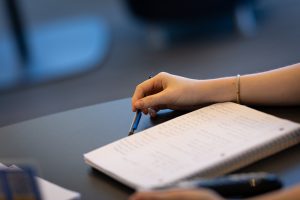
[{"x": 151, "y": 101}]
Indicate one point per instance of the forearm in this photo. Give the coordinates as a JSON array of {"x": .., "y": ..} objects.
[{"x": 276, "y": 87}]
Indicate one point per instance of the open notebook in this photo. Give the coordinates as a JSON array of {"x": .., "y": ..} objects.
[{"x": 207, "y": 142}]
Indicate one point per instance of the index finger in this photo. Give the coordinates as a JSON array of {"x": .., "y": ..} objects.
[
  {"x": 146, "y": 88},
  {"x": 141, "y": 90}
]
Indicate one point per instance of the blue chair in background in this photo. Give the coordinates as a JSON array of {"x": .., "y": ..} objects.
[{"x": 51, "y": 51}]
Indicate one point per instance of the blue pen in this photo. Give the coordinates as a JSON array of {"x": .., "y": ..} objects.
[{"x": 135, "y": 122}]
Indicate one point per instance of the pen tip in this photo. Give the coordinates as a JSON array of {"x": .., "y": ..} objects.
[{"x": 130, "y": 133}]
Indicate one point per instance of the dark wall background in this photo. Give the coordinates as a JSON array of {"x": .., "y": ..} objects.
[{"x": 131, "y": 59}]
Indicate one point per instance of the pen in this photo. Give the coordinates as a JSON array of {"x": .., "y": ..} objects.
[
  {"x": 235, "y": 185},
  {"x": 135, "y": 122}
]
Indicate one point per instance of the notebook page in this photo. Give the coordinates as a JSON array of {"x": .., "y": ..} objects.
[{"x": 187, "y": 144}]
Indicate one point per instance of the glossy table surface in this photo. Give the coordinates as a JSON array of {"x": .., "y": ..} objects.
[{"x": 55, "y": 144}]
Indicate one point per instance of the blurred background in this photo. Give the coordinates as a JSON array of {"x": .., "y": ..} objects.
[{"x": 61, "y": 55}]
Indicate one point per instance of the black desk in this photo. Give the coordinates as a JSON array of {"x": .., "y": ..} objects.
[{"x": 57, "y": 143}]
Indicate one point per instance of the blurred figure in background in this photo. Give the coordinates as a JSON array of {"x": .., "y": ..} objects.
[{"x": 176, "y": 19}]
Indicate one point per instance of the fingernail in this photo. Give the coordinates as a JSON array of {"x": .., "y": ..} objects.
[{"x": 152, "y": 112}]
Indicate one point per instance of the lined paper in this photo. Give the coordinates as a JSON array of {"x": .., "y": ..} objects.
[{"x": 187, "y": 144}]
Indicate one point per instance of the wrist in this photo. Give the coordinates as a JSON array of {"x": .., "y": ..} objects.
[{"x": 220, "y": 90}]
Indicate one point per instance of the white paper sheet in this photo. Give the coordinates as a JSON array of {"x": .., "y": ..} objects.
[{"x": 188, "y": 144}]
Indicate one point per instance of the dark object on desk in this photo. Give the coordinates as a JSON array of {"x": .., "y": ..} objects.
[
  {"x": 16, "y": 184},
  {"x": 237, "y": 185},
  {"x": 50, "y": 51}
]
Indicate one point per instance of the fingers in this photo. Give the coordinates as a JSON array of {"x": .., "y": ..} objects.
[
  {"x": 148, "y": 88},
  {"x": 152, "y": 112},
  {"x": 152, "y": 101},
  {"x": 142, "y": 90}
]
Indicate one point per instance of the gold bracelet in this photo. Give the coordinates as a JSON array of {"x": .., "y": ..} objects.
[{"x": 237, "y": 83}]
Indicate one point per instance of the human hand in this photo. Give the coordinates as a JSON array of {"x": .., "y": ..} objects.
[
  {"x": 177, "y": 194},
  {"x": 168, "y": 91}
]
